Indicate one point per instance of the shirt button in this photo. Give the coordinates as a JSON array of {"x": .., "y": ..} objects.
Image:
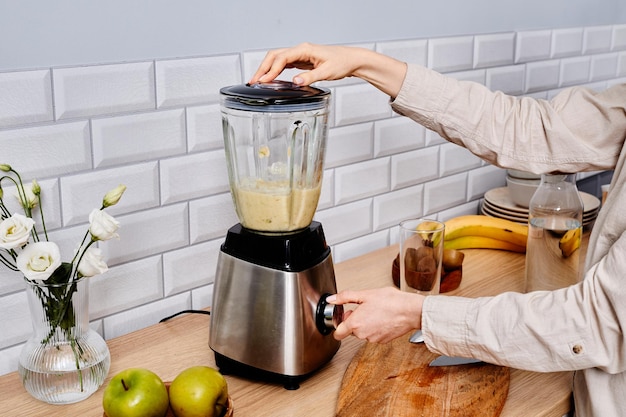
[{"x": 577, "y": 349}]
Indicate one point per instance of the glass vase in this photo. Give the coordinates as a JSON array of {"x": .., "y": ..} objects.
[{"x": 64, "y": 361}]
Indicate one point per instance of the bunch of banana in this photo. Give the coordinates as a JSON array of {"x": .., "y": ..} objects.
[
  {"x": 485, "y": 232},
  {"x": 570, "y": 241}
]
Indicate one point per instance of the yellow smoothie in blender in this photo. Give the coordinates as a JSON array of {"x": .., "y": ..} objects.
[{"x": 273, "y": 206}]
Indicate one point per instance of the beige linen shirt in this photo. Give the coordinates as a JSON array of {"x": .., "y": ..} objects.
[{"x": 578, "y": 130}]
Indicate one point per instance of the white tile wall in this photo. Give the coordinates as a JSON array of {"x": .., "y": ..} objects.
[
  {"x": 481, "y": 180},
  {"x": 456, "y": 159},
  {"x": 83, "y": 192},
  {"x": 477, "y": 75},
  {"x": 414, "y": 51},
  {"x": 103, "y": 89},
  {"x": 603, "y": 66},
  {"x": 149, "y": 232},
  {"x": 156, "y": 126},
  {"x": 621, "y": 65},
  {"x": 566, "y": 42},
  {"x": 574, "y": 70},
  {"x": 15, "y": 326},
  {"x": 349, "y": 144},
  {"x": 204, "y": 226},
  {"x": 493, "y": 50},
  {"x": 451, "y": 54},
  {"x": 618, "y": 38},
  {"x": 361, "y": 180},
  {"x": 444, "y": 193},
  {"x": 597, "y": 39},
  {"x": 201, "y": 297},
  {"x": 145, "y": 315},
  {"x": 508, "y": 79},
  {"x": 126, "y": 286},
  {"x": 360, "y": 103},
  {"x": 532, "y": 45},
  {"x": 396, "y": 135},
  {"x": 62, "y": 149},
  {"x": 358, "y": 246},
  {"x": 195, "y": 80},
  {"x": 391, "y": 208},
  {"x": 193, "y": 175},
  {"x": 138, "y": 137},
  {"x": 26, "y": 97},
  {"x": 204, "y": 128},
  {"x": 543, "y": 75},
  {"x": 347, "y": 221},
  {"x": 190, "y": 267},
  {"x": 414, "y": 167}
]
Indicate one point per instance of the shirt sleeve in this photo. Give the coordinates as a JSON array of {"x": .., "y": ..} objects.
[
  {"x": 577, "y": 130},
  {"x": 574, "y": 328}
]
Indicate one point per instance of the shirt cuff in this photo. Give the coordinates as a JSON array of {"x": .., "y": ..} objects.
[{"x": 445, "y": 324}]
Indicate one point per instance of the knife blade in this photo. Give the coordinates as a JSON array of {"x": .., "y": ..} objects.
[
  {"x": 417, "y": 337},
  {"x": 453, "y": 360}
]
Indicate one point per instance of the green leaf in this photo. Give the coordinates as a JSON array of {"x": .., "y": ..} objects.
[{"x": 62, "y": 274}]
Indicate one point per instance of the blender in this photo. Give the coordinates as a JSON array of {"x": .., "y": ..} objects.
[{"x": 269, "y": 317}]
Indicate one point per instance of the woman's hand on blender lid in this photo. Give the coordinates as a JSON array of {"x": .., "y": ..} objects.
[
  {"x": 321, "y": 62},
  {"x": 333, "y": 62}
]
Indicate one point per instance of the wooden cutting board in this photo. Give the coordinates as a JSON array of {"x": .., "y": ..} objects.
[{"x": 394, "y": 380}]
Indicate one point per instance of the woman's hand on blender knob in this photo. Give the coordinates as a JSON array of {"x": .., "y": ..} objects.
[{"x": 381, "y": 315}]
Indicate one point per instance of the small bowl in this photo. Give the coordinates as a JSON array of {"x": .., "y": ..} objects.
[
  {"x": 521, "y": 190},
  {"x": 395, "y": 271},
  {"x": 523, "y": 175}
]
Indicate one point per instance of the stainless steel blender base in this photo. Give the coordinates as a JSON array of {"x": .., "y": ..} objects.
[{"x": 269, "y": 320}]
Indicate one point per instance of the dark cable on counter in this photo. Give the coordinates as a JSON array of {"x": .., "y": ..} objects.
[{"x": 185, "y": 312}]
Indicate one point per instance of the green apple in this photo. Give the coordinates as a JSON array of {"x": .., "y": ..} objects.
[
  {"x": 199, "y": 391},
  {"x": 135, "y": 392}
]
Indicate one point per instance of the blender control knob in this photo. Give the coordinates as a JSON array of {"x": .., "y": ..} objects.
[{"x": 328, "y": 316}]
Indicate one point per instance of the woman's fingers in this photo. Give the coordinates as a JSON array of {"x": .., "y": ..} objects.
[
  {"x": 318, "y": 62},
  {"x": 345, "y": 297},
  {"x": 277, "y": 60}
]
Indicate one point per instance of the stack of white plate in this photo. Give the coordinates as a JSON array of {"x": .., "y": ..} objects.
[{"x": 498, "y": 203}]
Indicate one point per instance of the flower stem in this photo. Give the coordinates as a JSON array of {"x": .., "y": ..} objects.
[
  {"x": 7, "y": 262},
  {"x": 74, "y": 344},
  {"x": 80, "y": 258},
  {"x": 22, "y": 194},
  {"x": 43, "y": 221},
  {"x": 5, "y": 212}
]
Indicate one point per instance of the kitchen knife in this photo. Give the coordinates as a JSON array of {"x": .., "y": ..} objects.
[
  {"x": 417, "y": 337},
  {"x": 453, "y": 360}
]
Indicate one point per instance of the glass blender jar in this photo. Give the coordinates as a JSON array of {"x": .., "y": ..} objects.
[{"x": 275, "y": 141}]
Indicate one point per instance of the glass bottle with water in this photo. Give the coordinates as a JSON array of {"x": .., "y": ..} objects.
[{"x": 554, "y": 235}]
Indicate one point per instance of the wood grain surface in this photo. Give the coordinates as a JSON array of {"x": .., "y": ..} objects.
[{"x": 394, "y": 379}]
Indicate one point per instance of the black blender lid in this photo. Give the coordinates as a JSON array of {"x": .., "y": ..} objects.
[{"x": 275, "y": 96}]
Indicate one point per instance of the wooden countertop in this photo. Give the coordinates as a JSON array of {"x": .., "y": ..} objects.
[{"x": 170, "y": 347}]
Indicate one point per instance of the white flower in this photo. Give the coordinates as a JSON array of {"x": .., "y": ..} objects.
[
  {"x": 39, "y": 260},
  {"x": 15, "y": 231},
  {"x": 102, "y": 225},
  {"x": 92, "y": 263},
  {"x": 113, "y": 197},
  {"x": 29, "y": 193}
]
